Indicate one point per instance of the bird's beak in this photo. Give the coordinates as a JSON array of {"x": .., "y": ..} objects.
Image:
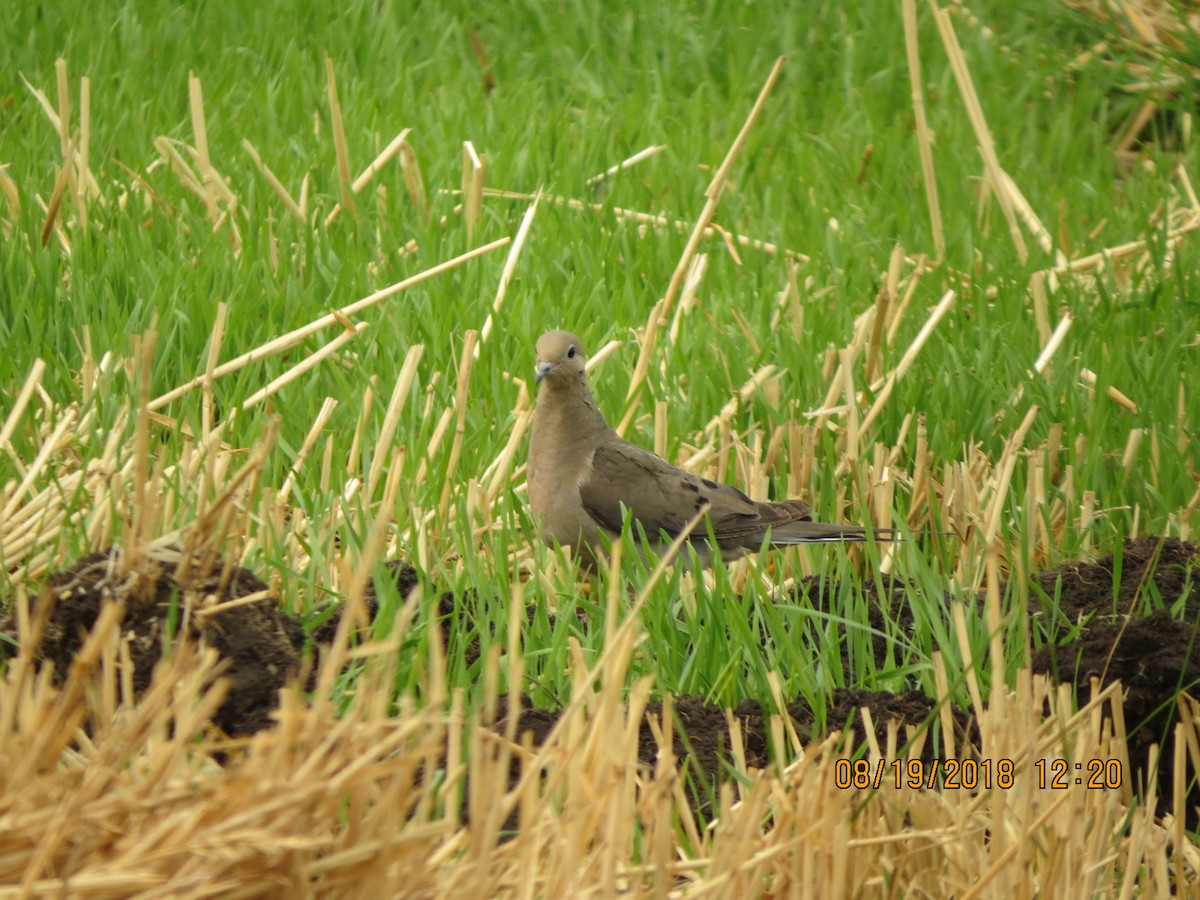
[{"x": 542, "y": 369}]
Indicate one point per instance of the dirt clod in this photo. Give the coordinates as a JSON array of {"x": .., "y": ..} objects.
[
  {"x": 260, "y": 643},
  {"x": 1155, "y": 656},
  {"x": 1148, "y": 566}
]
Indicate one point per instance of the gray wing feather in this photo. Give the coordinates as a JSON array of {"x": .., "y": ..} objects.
[{"x": 661, "y": 497}]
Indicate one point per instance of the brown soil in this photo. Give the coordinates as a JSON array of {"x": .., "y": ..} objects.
[
  {"x": 261, "y": 644},
  {"x": 700, "y": 731},
  {"x": 1139, "y": 626},
  {"x": 1154, "y": 652}
]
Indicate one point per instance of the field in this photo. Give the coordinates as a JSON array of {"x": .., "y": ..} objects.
[{"x": 274, "y": 617}]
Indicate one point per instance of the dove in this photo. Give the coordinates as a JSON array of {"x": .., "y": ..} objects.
[{"x": 582, "y": 477}]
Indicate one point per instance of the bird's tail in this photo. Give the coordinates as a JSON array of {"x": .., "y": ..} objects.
[{"x": 823, "y": 533}]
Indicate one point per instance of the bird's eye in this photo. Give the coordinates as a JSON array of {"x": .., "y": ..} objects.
[{"x": 571, "y": 352}]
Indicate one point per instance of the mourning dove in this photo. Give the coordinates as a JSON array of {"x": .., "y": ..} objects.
[{"x": 582, "y": 476}]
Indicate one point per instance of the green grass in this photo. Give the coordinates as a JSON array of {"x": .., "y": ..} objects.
[{"x": 579, "y": 87}]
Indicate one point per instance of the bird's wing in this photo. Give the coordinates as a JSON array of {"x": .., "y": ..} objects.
[{"x": 663, "y": 497}]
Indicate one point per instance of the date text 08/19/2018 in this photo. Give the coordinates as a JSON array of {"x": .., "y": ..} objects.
[{"x": 971, "y": 774}]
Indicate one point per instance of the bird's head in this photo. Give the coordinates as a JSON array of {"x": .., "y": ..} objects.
[{"x": 560, "y": 355}]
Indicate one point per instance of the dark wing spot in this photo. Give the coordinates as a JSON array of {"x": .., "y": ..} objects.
[
  {"x": 711, "y": 485},
  {"x": 689, "y": 485}
]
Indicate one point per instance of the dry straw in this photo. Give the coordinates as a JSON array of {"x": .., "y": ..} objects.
[
  {"x": 339, "y": 143},
  {"x": 121, "y": 798}
]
